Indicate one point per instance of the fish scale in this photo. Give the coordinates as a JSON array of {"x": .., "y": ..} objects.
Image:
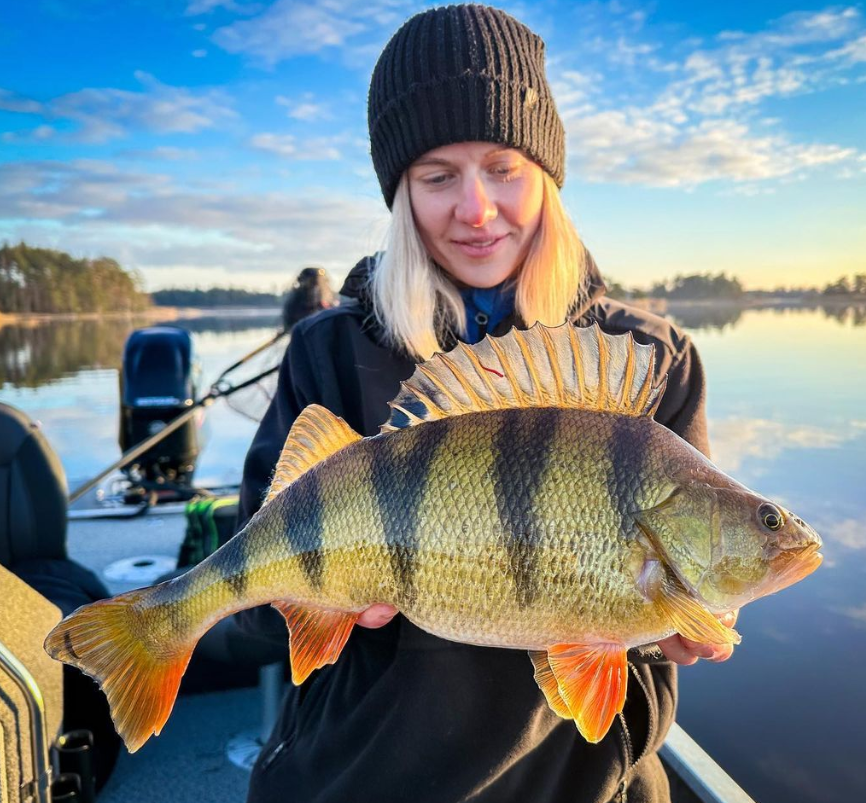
[{"x": 520, "y": 495}]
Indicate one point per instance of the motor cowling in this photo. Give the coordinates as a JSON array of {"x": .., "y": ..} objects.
[{"x": 158, "y": 382}]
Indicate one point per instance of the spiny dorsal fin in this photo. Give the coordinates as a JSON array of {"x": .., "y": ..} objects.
[
  {"x": 316, "y": 434},
  {"x": 565, "y": 366}
]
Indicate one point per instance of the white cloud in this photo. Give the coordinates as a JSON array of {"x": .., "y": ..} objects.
[
  {"x": 199, "y": 54},
  {"x": 163, "y": 153},
  {"x": 103, "y": 114},
  {"x": 292, "y": 27},
  {"x": 700, "y": 125},
  {"x": 39, "y": 134},
  {"x": 287, "y": 146},
  {"x": 306, "y": 109},
  {"x": 850, "y": 533},
  {"x": 637, "y": 147},
  {"x": 13, "y": 102},
  {"x": 287, "y": 29},
  {"x": 197, "y": 7},
  {"x": 735, "y": 440},
  {"x": 153, "y": 223}
]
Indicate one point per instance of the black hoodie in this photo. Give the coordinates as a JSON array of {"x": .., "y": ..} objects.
[{"x": 404, "y": 715}]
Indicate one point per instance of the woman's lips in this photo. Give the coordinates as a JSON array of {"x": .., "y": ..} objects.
[{"x": 480, "y": 247}]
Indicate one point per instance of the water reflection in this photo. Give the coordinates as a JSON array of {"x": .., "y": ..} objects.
[
  {"x": 725, "y": 314},
  {"x": 787, "y": 418},
  {"x": 32, "y": 355}
]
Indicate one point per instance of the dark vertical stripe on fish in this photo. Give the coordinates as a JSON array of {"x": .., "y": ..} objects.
[
  {"x": 230, "y": 565},
  {"x": 398, "y": 469},
  {"x": 625, "y": 463},
  {"x": 171, "y": 595},
  {"x": 305, "y": 532},
  {"x": 522, "y": 449}
]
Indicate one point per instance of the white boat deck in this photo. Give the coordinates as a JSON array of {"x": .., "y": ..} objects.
[{"x": 188, "y": 761}]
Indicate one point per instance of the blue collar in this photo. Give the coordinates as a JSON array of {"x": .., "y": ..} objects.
[{"x": 486, "y": 308}]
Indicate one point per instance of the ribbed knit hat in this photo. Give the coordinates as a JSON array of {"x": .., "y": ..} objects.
[{"x": 467, "y": 73}]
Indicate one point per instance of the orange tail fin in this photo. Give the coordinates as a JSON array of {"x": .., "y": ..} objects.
[{"x": 100, "y": 639}]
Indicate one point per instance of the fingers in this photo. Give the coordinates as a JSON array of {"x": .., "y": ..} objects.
[
  {"x": 729, "y": 619},
  {"x": 686, "y": 652},
  {"x": 377, "y": 616},
  {"x": 711, "y": 652},
  {"x": 675, "y": 650}
]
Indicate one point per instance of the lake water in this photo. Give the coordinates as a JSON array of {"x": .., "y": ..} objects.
[{"x": 787, "y": 409}]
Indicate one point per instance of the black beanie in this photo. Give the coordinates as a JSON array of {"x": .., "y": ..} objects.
[{"x": 466, "y": 73}]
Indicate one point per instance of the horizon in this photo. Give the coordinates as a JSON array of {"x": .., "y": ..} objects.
[{"x": 224, "y": 142}]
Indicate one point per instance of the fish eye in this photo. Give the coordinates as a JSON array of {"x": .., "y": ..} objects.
[{"x": 771, "y": 517}]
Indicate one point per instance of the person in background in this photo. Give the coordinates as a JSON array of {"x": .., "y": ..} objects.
[
  {"x": 470, "y": 154},
  {"x": 311, "y": 293}
]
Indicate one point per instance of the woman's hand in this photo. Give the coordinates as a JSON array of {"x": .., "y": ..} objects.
[
  {"x": 686, "y": 652},
  {"x": 377, "y": 615}
]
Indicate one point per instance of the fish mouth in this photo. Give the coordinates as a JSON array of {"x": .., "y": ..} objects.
[{"x": 793, "y": 565}]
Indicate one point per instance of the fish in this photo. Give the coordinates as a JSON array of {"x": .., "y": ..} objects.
[{"x": 520, "y": 495}]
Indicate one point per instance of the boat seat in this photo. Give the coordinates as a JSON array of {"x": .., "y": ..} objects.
[
  {"x": 32, "y": 492},
  {"x": 33, "y": 505}
]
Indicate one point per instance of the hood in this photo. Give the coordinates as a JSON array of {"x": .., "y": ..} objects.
[{"x": 357, "y": 285}]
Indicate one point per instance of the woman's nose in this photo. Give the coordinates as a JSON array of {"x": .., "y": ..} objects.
[{"x": 475, "y": 207}]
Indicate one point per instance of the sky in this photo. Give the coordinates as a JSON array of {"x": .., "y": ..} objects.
[{"x": 224, "y": 142}]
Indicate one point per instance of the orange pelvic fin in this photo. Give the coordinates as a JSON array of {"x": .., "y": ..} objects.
[
  {"x": 316, "y": 637},
  {"x": 141, "y": 687},
  {"x": 591, "y": 680},
  {"x": 690, "y": 618}
]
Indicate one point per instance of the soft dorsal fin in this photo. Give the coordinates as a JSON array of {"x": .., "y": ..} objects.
[
  {"x": 565, "y": 366},
  {"x": 316, "y": 434}
]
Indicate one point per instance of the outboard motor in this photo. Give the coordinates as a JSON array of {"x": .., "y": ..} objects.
[{"x": 157, "y": 384}]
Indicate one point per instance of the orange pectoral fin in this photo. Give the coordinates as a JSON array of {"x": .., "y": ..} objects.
[
  {"x": 691, "y": 619},
  {"x": 592, "y": 680},
  {"x": 316, "y": 637}
]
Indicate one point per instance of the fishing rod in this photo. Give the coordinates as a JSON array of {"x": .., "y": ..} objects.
[
  {"x": 219, "y": 390},
  {"x": 247, "y": 357}
]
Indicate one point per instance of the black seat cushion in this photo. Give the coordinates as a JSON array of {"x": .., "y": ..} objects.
[{"x": 32, "y": 492}]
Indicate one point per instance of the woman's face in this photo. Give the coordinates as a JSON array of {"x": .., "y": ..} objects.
[{"x": 477, "y": 206}]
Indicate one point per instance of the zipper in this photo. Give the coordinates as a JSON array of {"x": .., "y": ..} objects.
[
  {"x": 628, "y": 749},
  {"x": 653, "y": 716},
  {"x": 625, "y": 738},
  {"x": 276, "y": 752}
]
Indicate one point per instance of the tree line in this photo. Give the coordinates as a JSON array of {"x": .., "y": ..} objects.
[
  {"x": 214, "y": 297},
  {"x": 706, "y": 286},
  {"x": 43, "y": 280}
]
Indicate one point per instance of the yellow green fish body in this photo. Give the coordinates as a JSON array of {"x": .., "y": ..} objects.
[{"x": 520, "y": 496}]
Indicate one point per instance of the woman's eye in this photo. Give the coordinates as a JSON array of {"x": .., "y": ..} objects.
[
  {"x": 506, "y": 171},
  {"x": 771, "y": 517},
  {"x": 436, "y": 179}
]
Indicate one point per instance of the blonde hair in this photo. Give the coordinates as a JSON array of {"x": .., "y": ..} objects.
[{"x": 417, "y": 305}]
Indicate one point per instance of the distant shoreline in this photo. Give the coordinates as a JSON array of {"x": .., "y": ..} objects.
[
  {"x": 154, "y": 313},
  {"x": 654, "y": 304},
  {"x": 662, "y": 305}
]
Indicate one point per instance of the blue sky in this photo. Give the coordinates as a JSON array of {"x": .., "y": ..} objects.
[{"x": 223, "y": 142}]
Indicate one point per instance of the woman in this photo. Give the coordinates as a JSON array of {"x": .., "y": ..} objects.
[{"x": 469, "y": 151}]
